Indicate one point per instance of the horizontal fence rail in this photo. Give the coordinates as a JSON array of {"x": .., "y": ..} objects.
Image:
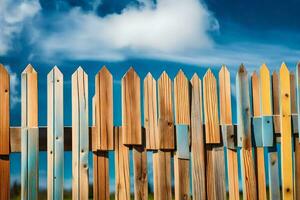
[{"x": 188, "y": 125}]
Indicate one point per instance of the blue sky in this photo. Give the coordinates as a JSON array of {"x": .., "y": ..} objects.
[{"x": 151, "y": 35}]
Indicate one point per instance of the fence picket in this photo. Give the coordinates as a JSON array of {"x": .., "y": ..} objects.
[
  {"x": 266, "y": 110},
  {"x": 104, "y": 110},
  {"x": 296, "y": 140},
  {"x": 29, "y": 136},
  {"x": 140, "y": 171},
  {"x": 4, "y": 133},
  {"x": 131, "y": 108},
  {"x": 182, "y": 119},
  {"x": 259, "y": 149},
  {"x": 150, "y": 112},
  {"x": 121, "y": 166},
  {"x": 215, "y": 170},
  {"x": 244, "y": 134},
  {"x": 226, "y": 120},
  {"x": 197, "y": 141},
  {"x": 286, "y": 133},
  {"x": 276, "y": 103},
  {"x": 165, "y": 108},
  {"x": 80, "y": 136},
  {"x": 55, "y": 135}
]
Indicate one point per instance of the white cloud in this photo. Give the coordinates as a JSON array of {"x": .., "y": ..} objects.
[
  {"x": 168, "y": 27},
  {"x": 13, "y": 15},
  {"x": 14, "y": 83}
]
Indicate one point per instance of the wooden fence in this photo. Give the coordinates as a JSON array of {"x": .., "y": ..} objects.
[{"x": 189, "y": 121}]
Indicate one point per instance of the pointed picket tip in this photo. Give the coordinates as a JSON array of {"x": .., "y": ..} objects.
[
  {"x": 79, "y": 71},
  {"x": 242, "y": 69},
  {"x": 148, "y": 76},
  {"x": 254, "y": 74},
  {"x": 164, "y": 75},
  {"x": 3, "y": 69},
  {"x": 29, "y": 69},
  {"x": 131, "y": 72},
  {"x": 104, "y": 70},
  {"x": 209, "y": 74},
  {"x": 56, "y": 72},
  {"x": 195, "y": 77},
  {"x": 195, "y": 80},
  {"x": 298, "y": 67},
  {"x": 180, "y": 74},
  {"x": 283, "y": 69},
  {"x": 264, "y": 70},
  {"x": 223, "y": 69}
]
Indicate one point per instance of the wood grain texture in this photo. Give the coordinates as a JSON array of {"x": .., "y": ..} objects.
[
  {"x": 4, "y": 133},
  {"x": 226, "y": 119},
  {"x": 244, "y": 134},
  {"x": 80, "y": 137},
  {"x": 165, "y": 113},
  {"x": 182, "y": 117},
  {"x": 276, "y": 105},
  {"x": 121, "y": 166},
  {"x": 215, "y": 169},
  {"x": 212, "y": 129},
  {"x": 259, "y": 151},
  {"x": 140, "y": 172},
  {"x": 215, "y": 172},
  {"x": 286, "y": 134},
  {"x": 4, "y": 177},
  {"x": 4, "y": 110},
  {"x": 162, "y": 172},
  {"x": 104, "y": 110},
  {"x": 248, "y": 174},
  {"x": 150, "y": 112},
  {"x": 266, "y": 110},
  {"x": 55, "y": 137},
  {"x": 131, "y": 108},
  {"x": 293, "y": 103},
  {"x": 243, "y": 108},
  {"x": 197, "y": 141},
  {"x": 297, "y": 168},
  {"x": 29, "y": 135},
  {"x": 101, "y": 175},
  {"x": 298, "y": 95},
  {"x": 181, "y": 99}
]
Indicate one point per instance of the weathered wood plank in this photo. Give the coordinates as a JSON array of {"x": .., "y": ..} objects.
[
  {"x": 276, "y": 105},
  {"x": 131, "y": 108},
  {"x": 80, "y": 137},
  {"x": 162, "y": 172},
  {"x": 297, "y": 168},
  {"x": 259, "y": 150},
  {"x": 215, "y": 170},
  {"x": 4, "y": 133},
  {"x": 197, "y": 141},
  {"x": 182, "y": 117},
  {"x": 286, "y": 134},
  {"x": 140, "y": 171},
  {"x": 29, "y": 136},
  {"x": 226, "y": 119},
  {"x": 4, "y": 177},
  {"x": 101, "y": 175},
  {"x": 293, "y": 103},
  {"x": 55, "y": 138},
  {"x": 244, "y": 134},
  {"x": 121, "y": 166},
  {"x": 298, "y": 96},
  {"x": 212, "y": 130},
  {"x": 4, "y": 110},
  {"x": 165, "y": 108},
  {"x": 150, "y": 112},
  {"x": 268, "y": 134},
  {"x": 104, "y": 110}
]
